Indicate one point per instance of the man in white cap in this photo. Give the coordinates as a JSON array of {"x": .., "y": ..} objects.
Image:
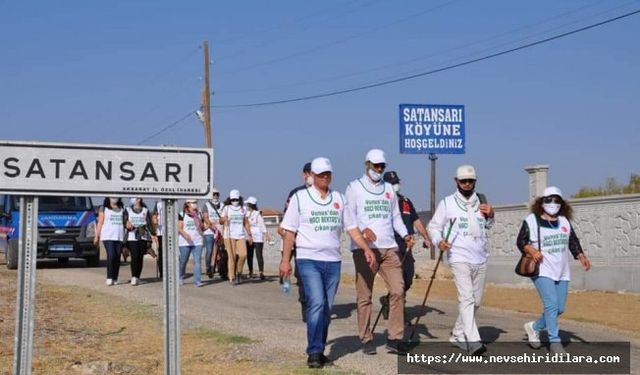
[
  {"x": 213, "y": 233},
  {"x": 314, "y": 221},
  {"x": 459, "y": 227},
  {"x": 375, "y": 206}
]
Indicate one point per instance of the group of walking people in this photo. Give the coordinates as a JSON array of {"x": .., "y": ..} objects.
[
  {"x": 231, "y": 233},
  {"x": 381, "y": 223}
]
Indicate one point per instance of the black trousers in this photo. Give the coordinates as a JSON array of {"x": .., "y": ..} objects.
[
  {"x": 250, "y": 250},
  {"x": 259, "y": 246},
  {"x": 114, "y": 250},
  {"x": 159, "y": 258},
  {"x": 138, "y": 250}
]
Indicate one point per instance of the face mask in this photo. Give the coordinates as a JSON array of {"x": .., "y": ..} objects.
[
  {"x": 396, "y": 188},
  {"x": 308, "y": 181},
  {"x": 551, "y": 208},
  {"x": 235, "y": 203},
  {"x": 373, "y": 175},
  {"x": 466, "y": 193}
]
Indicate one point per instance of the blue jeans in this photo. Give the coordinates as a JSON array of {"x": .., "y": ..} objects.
[
  {"x": 185, "y": 251},
  {"x": 320, "y": 280},
  {"x": 209, "y": 249},
  {"x": 554, "y": 298}
]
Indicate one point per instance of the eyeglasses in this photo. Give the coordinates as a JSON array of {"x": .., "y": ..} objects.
[
  {"x": 379, "y": 166},
  {"x": 467, "y": 181},
  {"x": 552, "y": 200}
]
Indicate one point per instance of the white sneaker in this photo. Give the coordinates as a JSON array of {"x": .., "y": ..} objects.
[
  {"x": 134, "y": 281},
  {"x": 532, "y": 335},
  {"x": 460, "y": 343},
  {"x": 115, "y": 282},
  {"x": 109, "y": 282}
]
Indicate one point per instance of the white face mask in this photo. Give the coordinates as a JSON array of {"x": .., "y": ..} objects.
[
  {"x": 308, "y": 181},
  {"x": 396, "y": 188},
  {"x": 235, "y": 203},
  {"x": 373, "y": 175},
  {"x": 551, "y": 208}
]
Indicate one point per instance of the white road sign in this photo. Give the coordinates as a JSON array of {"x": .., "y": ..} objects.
[{"x": 29, "y": 168}]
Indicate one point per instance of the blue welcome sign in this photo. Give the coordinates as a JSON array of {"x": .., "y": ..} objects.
[{"x": 432, "y": 129}]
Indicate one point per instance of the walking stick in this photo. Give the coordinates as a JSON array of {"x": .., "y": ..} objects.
[
  {"x": 380, "y": 312},
  {"x": 433, "y": 276}
]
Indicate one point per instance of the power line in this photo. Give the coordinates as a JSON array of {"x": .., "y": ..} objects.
[
  {"x": 418, "y": 75},
  {"x": 176, "y": 122}
]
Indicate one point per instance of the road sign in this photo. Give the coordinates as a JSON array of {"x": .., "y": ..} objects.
[
  {"x": 432, "y": 129},
  {"x": 105, "y": 170}
]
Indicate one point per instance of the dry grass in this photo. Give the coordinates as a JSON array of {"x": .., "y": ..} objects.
[
  {"x": 615, "y": 310},
  {"x": 80, "y": 331}
]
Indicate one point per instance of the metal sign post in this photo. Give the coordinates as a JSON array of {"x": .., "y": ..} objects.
[
  {"x": 170, "y": 289},
  {"x": 25, "y": 307},
  {"x": 433, "y": 158}
]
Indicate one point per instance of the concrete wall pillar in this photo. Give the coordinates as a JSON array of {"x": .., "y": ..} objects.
[{"x": 537, "y": 180}]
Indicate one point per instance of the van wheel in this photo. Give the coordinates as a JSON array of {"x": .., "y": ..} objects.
[
  {"x": 93, "y": 261},
  {"x": 63, "y": 260},
  {"x": 11, "y": 255}
]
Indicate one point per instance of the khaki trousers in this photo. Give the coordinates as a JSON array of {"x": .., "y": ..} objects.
[
  {"x": 235, "y": 247},
  {"x": 390, "y": 268}
]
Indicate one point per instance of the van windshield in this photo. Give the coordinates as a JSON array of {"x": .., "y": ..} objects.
[{"x": 60, "y": 203}]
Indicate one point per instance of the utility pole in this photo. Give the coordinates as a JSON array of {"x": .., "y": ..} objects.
[{"x": 206, "y": 97}]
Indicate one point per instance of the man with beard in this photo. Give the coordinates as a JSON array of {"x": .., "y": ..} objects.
[{"x": 459, "y": 227}]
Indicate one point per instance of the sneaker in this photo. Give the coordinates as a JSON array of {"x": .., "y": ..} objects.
[
  {"x": 532, "y": 335},
  {"x": 396, "y": 347},
  {"x": 325, "y": 361},
  {"x": 313, "y": 361},
  {"x": 115, "y": 282},
  {"x": 384, "y": 301},
  {"x": 262, "y": 276},
  {"x": 210, "y": 274},
  {"x": 477, "y": 348},
  {"x": 369, "y": 348},
  {"x": 134, "y": 281},
  {"x": 556, "y": 348},
  {"x": 459, "y": 343},
  {"x": 181, "y": 281},
  {"x": 109, "y": 282},
  {"x": 198, "y": 285}
]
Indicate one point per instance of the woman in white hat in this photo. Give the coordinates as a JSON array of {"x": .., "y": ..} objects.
[
  {"x": 236, "y": 231},
  {"x": 258, "y": 232},
  {"x": 314, "y": 220},
  {"x": 190, "y": 240},
  {"x": 547, "y": 235}
]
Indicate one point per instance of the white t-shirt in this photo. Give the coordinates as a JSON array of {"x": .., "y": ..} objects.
[
  {"x": 235, "y": 226},
  {"x": 137, "y": 219},
  {"x": 256, "y": 224},
  {"x": 465, "y": 247},
  {"x": 213, "y": 212},
  {"x": 555, "y": 248},
  {"x": 160, "y": 226},
  {"x": 376, "y": 208},
  {"x": 191, "y": 227},
  {"x": 112, "y": 226},
  {"x": 318, "y": 224}
]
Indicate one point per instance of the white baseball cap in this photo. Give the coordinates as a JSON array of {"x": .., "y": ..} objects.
[
  {"x": 552, "y": 190},
  {"x": 251, "y": 200},
  {"x": 234, "y": 194},
  {"x": 321, "y": 165},
  {"x": 215, "y": 190},
  {"x": 191, "y": 201},
  {"x": 465, "y": 172},
  {"x": 376, "y": 156}
]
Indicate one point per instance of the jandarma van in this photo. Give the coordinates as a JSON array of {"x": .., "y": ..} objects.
[{"x": 98, "y": 170}]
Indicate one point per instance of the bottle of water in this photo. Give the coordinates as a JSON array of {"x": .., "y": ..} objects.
[{"x": 286, "y": 286}]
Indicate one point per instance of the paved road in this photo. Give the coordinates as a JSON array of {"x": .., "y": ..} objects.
[{"x": 259, "y": 310}]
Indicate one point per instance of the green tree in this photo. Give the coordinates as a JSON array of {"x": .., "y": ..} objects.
[{"x": 611, "y": 187}]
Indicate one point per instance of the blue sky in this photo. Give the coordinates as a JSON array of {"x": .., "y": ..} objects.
[{"x": 116, "y": 72}]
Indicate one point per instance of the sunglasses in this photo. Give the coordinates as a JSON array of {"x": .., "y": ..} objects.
[
  {"x": 552, "y": 200},
  {"x": 379, "y": 166},
  {"x": 235, "y": 200},
  {"x": 324, "y": 175},
  {"x": 467, "y": 181}
]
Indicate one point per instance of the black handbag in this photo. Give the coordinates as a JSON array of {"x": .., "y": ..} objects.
[{"x": 527, "y": 266}]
